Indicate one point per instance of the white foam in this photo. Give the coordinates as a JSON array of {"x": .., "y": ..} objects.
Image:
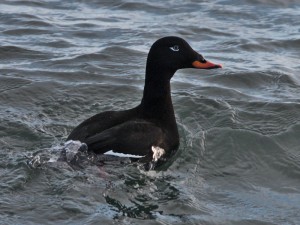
[{"x": 73, "y": 146}]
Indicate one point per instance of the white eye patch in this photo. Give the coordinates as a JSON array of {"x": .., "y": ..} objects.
[{"x": 175, "y": 48}]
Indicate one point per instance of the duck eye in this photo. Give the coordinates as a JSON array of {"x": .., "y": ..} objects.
[{"x": 175, "y": 48}]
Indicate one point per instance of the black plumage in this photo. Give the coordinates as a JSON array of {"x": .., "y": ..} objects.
[{"x": 152, "y": 123}]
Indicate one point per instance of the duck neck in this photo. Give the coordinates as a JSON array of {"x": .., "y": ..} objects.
[
  {"x": 157, "y": 101},
  {"x": 157, "y": 91}
]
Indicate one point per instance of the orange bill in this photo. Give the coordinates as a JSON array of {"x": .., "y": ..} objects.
[{"x": 205, "y": 65}]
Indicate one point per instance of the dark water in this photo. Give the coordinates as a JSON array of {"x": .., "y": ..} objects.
[{"x": 239, "y": 159}]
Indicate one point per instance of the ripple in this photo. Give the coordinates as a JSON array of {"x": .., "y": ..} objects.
[
  {"x": 63, "y": 61},
  {"x": 12, "y": 83},
  {"x": 129, "y": 6},
  {"x": 17, "y": 53},
  {"x": 268, "y": 118},
  {"x": 271, "y": 45},
  {"x": 25, "y": 31},
  {"x": 264, "y": 86},
  {"x": 59, "y": 44}
]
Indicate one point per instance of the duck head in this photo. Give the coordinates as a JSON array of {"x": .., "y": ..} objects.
[{"x": 169, "y": 54}]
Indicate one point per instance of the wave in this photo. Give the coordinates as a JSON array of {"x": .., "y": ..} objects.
[
  {"x": 7, "y": 83},
  {"x": 17, "y": 53},
  {"x": 270, "y": 45},
  {"x": 265, "y": 85},
  {"x": 26, "y": 31}
]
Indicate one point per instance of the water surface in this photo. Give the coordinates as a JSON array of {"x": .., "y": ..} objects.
[{"x": 239, "y": 158}]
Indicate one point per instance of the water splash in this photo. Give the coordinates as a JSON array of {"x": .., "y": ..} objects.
[{"x": 71, "y": 152}]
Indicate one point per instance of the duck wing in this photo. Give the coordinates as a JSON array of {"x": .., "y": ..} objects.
[
  {"x": 131, "y": 137},
  {"x": 100, "y": 122}
]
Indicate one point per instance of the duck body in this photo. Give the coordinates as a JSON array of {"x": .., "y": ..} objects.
[
  {"x": 148, "y": 130},
  {"x": 129, "y": 132}
]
